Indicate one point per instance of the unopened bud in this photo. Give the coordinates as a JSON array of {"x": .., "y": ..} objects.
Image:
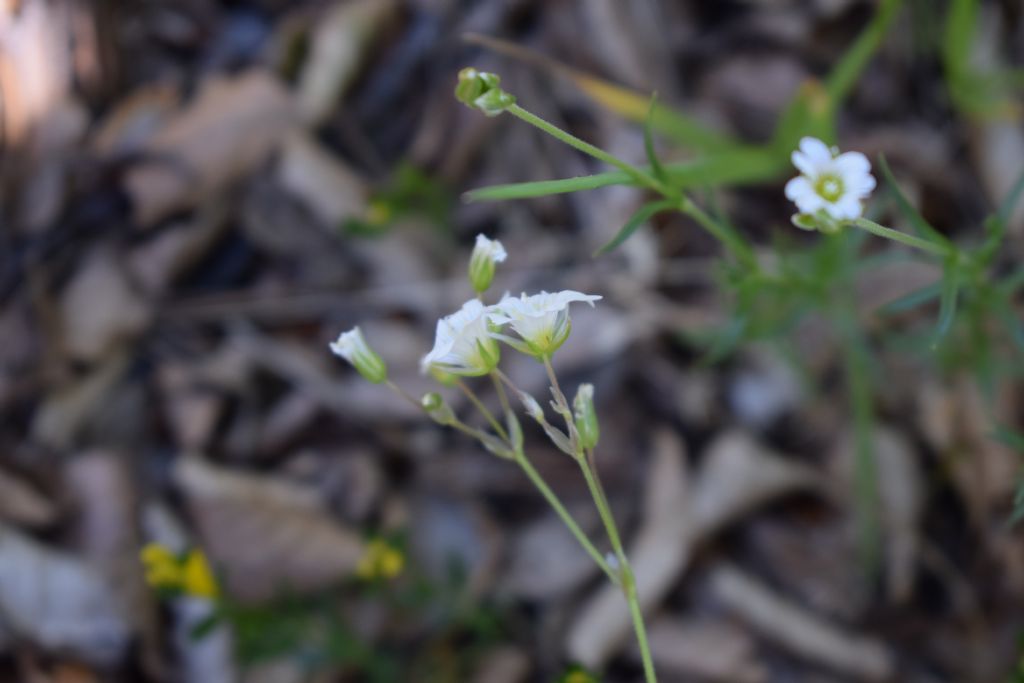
[
  {"x": 352, "y": 347},
  {"x": 437, "y": 408},
  {"x": 585, "y": 416},
  {"x": 486, "y": 254},
  {"x": 481, "y": 90}
]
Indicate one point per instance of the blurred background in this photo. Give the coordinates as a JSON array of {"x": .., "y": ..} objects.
[{"x": 199, "y": 195}]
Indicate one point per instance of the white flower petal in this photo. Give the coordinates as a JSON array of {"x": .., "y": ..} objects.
[
  {"x": 797, "y": 188},
  {"x": 852, "y": 163},
  {"x": 847, "y": 208},
  {"x": 817, "y": 152}
]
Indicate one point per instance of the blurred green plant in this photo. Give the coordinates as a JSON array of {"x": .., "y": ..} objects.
[
  {"x": 975, "y": 89},
  {"x": 721, "y": 159},
  {"x": 409, "y": 192},
  {"x": 975, "y": 293}
]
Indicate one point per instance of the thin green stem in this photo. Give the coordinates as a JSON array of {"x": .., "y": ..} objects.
[
  {"x": 488, "y": 415},
  {"x": 902, "y": 237},
  {"x": 637, "y": 174},
  {"x": 502, "y": 396},
  {"x": 562, "y": 402},
  {"x": 567, "y": 518},
  {"x": 723, "y": 233},
  {"x": 628, "y": 582},
  {"x": 404, "y": 394}
]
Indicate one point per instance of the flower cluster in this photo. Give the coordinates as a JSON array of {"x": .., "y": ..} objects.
[
  {"x": 187, "y": 574},
  {"x": 466, "y": 342}
]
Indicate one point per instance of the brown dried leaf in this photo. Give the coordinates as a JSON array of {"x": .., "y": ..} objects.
[
  {"x": 67, "y": 411},
  {"x": 800, "y": 632},
  {"x": 265, "y": 535},
  {"x": 99, "y": 308},
  {"x": 337, "y": 48},
  {"x": 229, "y": 129},
  {"x": 329, "y": 188},
  {"x": 712, "y": 649},
  {"x": 738, "y": 475},
  {"x": 22, "y": 504}
]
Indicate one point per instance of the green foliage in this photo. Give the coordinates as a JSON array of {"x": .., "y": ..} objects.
[
  {"x": 409, "y": 192},
  {"x": 974, "y": 91},
  {"x": 321, "y": 633}
]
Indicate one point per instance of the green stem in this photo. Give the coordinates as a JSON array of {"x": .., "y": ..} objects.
[
  {"x": 724, "y": 234},
  {"x": 628, "y": 582},
  {"x": 502, "y": 396},
  {"x": 554, "y": 131},
  {"x": 902, "y": 237},
  {"x": 404, "y": 394},
  {"x": 570, "y": 523},
  {"x": 471, "y": 395}
]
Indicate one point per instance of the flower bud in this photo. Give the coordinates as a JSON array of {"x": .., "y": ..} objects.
[
  {"x": 533, "y": 408},
  {"x": 585, "y": 416},
  {"x": 486, "y": 254},
  {"x": 352, "y": 347},
  {"x": 480, "y": 90},
  {"x": 437, "y": 408}
]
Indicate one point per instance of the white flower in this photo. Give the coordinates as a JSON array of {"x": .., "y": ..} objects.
[
  {"x": 486, "y": 254},
  {"x": 463, "y": 344},
  {"x": 352, "y": 347},
  {"x": 541, "y": 320},
  {"x": 831, "y": 182}
]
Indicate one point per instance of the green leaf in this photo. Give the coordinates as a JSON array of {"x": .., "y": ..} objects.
[
  {"x": 961, "y": 20},
  {"x": 947, "y": 302},
  {"x": 544, "y": 188},
  {"x": 922, "y": 227},
  {"x": 652, "y": 158},
  {"x": 642, "y": 215},
  {"x": 846, "y": 73},
  {"x": 740, "y": 166},
  {"x": 912, "y": 300}
]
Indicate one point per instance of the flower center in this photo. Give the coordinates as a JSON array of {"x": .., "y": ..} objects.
[{"x": 829, "y": 187}]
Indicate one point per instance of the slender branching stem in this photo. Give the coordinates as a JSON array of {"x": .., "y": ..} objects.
[
  {"x": 567, "y": 519},
  {"x": 404, "y": 394},
  {"x": 502, "y": 396},
  {"x": 639, "y": 175},
  {"x": 484, "y": 410},
  {"x": 902, "y": 237}
]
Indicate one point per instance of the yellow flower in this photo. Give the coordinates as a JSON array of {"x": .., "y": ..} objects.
[
  {"x": 380, "y": 561},
  {"x": 198, "y": 578},
  {"x": 163, "y": 569},
  {"x": 190, "y": 575},
  {"x": 579, "y": 677}
]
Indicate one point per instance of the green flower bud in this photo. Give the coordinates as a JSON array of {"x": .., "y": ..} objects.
[
  {"x": 352, "y": 347},
  {"x": 481, "y": 90},
  {"x": 585, "y": 416},
  {"x": 437, "y": 408}
]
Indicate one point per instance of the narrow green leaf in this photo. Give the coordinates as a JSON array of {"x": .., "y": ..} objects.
[
  {"x": 947, "y": 303},
  {"x": 922, "y": 227},
  {"x": 845, "y": 74},
  {"x": 741, "y": 166},
  {"x": 543, "y": 188},
  {"x": 642, "y": 215},
  {"x": 961, "y": 20},
  {"x": 652, "y": 158},
  {"x": 912, "y": 300}
]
